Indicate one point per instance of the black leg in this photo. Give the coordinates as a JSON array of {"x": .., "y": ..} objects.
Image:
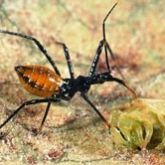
[
  {"x": 33, "y": 101},
  {"x": 107, "y": 59},
  {"x": 96, "y": 58},
  {"x": 67, "y": 57},
  {"x": 85, "y": 97},
  {"x": 109, "y": 51},
  {"x": 45, "y": 115},
  {"x": 107, "y": 46},
  {"x": 39, "y": 45},
  {"x": 101, "y": 45},
  {"x": 114, "y": 58}
]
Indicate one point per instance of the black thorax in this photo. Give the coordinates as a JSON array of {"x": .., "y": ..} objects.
[{"x": 82, "y": 84}]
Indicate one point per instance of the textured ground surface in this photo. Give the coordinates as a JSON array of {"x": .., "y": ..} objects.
[{"x": 73, "y": 134}]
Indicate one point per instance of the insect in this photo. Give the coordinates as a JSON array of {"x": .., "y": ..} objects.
[{"x": 49, "y": 84}]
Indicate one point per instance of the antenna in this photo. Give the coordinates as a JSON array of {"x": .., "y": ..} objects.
[{"x": 104, "y": 36}]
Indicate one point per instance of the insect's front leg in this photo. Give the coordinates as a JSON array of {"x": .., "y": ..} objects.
[
  {"x": 109, "y": 50},
  {"x": 85, "y": 97}
]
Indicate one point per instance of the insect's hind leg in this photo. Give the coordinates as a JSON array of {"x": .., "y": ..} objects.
[
  {"x": 30, "y": 102},
  {"x": 38, "y": 44}
]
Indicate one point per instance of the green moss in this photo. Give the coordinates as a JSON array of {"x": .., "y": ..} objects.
[{"x": 141, "y": 125}]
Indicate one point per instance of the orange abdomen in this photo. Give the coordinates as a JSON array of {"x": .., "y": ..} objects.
[{"x": 39, "y": 80}]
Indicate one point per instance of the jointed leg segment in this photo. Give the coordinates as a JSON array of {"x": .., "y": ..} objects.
[
  {"x": 96, "y": 58},
  {"x": 45, "y": 115},
  {"x": 114, "y": 58},
  {"x": 30, "y": 102},
  {"x": 103, "y": 43},
  {"x": 85, "y": 97},
  {"x": 68, "y": 59},
  {"x": 38, "y": 44}
]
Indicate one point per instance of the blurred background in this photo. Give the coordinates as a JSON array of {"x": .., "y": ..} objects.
[{"x": 135, "y": 31}]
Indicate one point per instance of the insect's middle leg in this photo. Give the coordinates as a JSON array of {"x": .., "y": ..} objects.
[
  {"x": 45, "y": 115},
  {"x": 108, "y": 52},
  {"x": 96, "y": 58},
  {"x": 67, "y": 57}
]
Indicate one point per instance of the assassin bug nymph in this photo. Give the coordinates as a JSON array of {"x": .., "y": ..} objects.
[{"x": 42, "y": 81}]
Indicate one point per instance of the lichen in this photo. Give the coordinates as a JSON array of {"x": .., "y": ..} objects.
[{"x": 139, "y": 125}]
